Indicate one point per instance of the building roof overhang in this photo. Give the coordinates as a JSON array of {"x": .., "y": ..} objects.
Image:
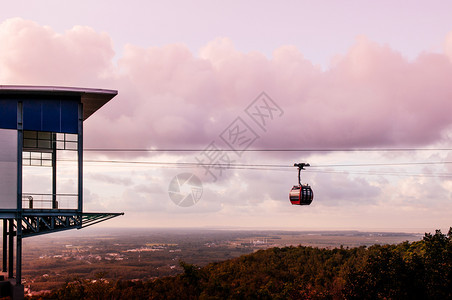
[{"x": 92, "y": 99}]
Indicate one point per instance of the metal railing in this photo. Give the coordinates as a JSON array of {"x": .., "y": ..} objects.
[{"x": 49, "y": 201}]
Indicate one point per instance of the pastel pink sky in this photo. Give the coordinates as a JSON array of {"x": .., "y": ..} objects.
[
  {"x": 368, "y": 97},
  {"x": 385, "y": 83}
]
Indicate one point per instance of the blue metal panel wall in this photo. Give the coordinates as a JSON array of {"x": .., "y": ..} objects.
[
  {"x": 51, "y": 115},
  {"x": 8, "y": 114},
  {"x": 69, "y": 119},
  {"x": 32, "y": 115}
]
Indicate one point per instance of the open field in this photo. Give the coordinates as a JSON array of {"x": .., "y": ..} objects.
[{"x": 144, "y": 254}]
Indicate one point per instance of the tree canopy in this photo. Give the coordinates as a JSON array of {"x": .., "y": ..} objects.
[{"x": 417, "y": 270}]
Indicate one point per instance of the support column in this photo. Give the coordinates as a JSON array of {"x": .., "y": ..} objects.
[
  {"x": 11, "y": 249},
  {"x": 19, "y": 251},
  {"x": 80, "y": 162},
  {"x": 5, "y": 245},
  {"x": 54, "y": 172},
  {"x": 20, "y": 146}
]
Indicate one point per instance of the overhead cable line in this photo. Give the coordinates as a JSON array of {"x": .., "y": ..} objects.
[
  {"x": 193, "y": 164},
  {"x": 268, "y": 165},
  {"x": 197, "y": 164},
  {"x": 385, "y": 164},
  {"x": 383, "y": 173},
  {"x": 281, "y": 167},
  {"x": 268, "y": 150}
]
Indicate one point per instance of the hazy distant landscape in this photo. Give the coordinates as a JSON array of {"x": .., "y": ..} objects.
[{"x": 143, "y": 254}]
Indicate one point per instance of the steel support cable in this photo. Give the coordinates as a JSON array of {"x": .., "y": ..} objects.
[
  {"x": 195, "y": 164},
  {"x": 377, "y": 173},
  {"x": 269, "y": 150},
  {"x": 275, "y": 167}
]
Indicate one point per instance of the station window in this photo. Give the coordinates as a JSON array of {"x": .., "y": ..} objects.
[
  {"x": 66, "y": 141},
  {"x": 38, "y": 146},
  {"x": 43, "y": 159},
  {"x": 45, "y": 141}
]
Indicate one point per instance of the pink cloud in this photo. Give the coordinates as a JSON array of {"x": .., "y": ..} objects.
[
  {"x": 448, "y": 46},
  {"x": 35, "y": 54},
  {"x": 170, "y": 97}
]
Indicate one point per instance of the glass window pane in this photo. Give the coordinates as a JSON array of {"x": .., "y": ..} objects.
[
  {"x": 71, "y": 137},
  {"x": 47, "y": 155},
  {"x": 44, "y": 144},
  {"x": 44, "y": 135},
  {"x": 30, "y": 143},
  {"x": 47, "y": 163},
  {"x": 30, "y": 134},
  {"x": 60, "y": 136},
  {"x": 35, "y": 162},
  {"x": 36, "y": 155},
  {"x": 60, "y": 145},
  {"x": 71, "y": 146}
]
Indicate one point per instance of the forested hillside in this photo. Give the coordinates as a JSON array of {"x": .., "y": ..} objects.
[{"x": 417, "y": 270}]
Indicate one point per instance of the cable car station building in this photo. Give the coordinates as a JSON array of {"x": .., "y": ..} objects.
[{"x": 41, "y": 167}]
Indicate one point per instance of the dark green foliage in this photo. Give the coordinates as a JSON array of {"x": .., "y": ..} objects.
[{"x": 418, "y": 270}]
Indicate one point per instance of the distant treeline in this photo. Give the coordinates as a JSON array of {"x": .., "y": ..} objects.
[{"x": 417, "y": 270}]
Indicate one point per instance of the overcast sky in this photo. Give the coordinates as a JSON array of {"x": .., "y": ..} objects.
[{"x": 333, "y": 75}]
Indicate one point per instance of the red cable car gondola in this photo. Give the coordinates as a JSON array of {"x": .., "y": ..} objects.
[{"x": 301, "y": 194}]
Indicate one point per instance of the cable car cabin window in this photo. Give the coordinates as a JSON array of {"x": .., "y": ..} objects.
[{"x": 301, "y": 195}]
